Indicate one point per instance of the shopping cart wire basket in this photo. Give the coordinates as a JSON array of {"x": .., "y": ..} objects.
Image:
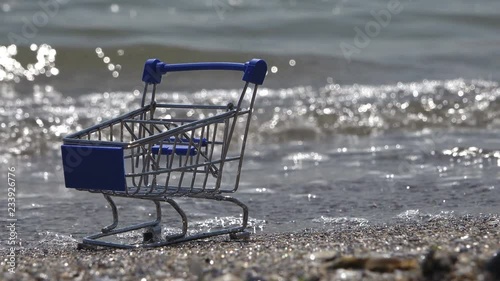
[{"x": 160, "y": 152}]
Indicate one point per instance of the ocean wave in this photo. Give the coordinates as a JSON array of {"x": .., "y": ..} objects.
[{"x": 35, "y": 122}]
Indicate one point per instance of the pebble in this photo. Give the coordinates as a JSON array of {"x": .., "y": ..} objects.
[
  {"x": 493, "y": 266},
  {"x": 368, "y": 252},
  {"x": 438, "y": 265}
]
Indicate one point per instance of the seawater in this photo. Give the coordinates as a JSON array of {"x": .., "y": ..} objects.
[{"x": 405, "y": 129}]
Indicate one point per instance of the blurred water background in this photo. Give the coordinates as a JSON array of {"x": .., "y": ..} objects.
[{"x": 372, "y": 112}]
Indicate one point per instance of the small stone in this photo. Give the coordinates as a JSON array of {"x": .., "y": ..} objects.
[
  {"x": 391, "y": 264},
  {"x": 41, "y": 277},
  {"x": 373, "y": 264},
  {"x": 347, "y": 262},
  {"x": 228, "y": 277},
  {"x": 437, "y": 265},
  {"x": 493, "y": 266},
  {"x": 324, "y": 256}
]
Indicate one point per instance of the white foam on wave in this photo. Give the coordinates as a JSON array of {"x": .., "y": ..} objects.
[
  {"x": 341, "y": 220},
  {"x": 414, "y": 215}
]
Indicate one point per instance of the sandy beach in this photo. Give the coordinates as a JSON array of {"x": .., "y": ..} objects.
[{"x": 436, "y": 249}]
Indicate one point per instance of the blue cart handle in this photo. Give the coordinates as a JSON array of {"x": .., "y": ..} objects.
[
  {"x": 254, "y": 71},
  {"x": 164, "y": 68}
]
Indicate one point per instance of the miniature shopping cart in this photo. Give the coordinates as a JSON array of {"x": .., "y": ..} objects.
[{"x": 160, "y": 152}]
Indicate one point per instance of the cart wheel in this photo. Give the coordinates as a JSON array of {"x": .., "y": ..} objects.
[
  {"x": 152, "y": 234},
  {"x": 245, "y": 235}
]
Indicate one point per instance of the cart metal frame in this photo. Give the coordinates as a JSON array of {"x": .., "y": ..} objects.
[{"x": 150, "y": 154}]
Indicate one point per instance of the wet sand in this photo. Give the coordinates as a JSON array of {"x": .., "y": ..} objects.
[{"x": 435, "y": 249}]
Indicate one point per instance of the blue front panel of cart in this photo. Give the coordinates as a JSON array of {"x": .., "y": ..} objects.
[{"x": 93, "y": 167}]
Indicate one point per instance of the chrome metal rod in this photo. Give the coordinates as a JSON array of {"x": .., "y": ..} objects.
[
  {"x": 115, "y": 215},
  {"x": 183, "y": 217}
]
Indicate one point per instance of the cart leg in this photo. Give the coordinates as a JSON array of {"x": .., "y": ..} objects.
[
  {"x": 237, "y": 202},
  {"x": 184, "y": 220},
  {"x": 235, "y": 232},
  {"x": 239, "y": 233},
  {"x": 111, "y": 230},
  {"x": 151, "y": 237},
  {"x": 115, "y": 215},
  {"x": 153, "y": 233},
  {"x": 244, "y": 207}
]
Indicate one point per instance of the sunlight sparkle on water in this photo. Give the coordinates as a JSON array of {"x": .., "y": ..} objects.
[
  {"x": 114, "y": 8},
  {"x": 113, "y": 68},
  {"x": 12, "y": 70}
]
